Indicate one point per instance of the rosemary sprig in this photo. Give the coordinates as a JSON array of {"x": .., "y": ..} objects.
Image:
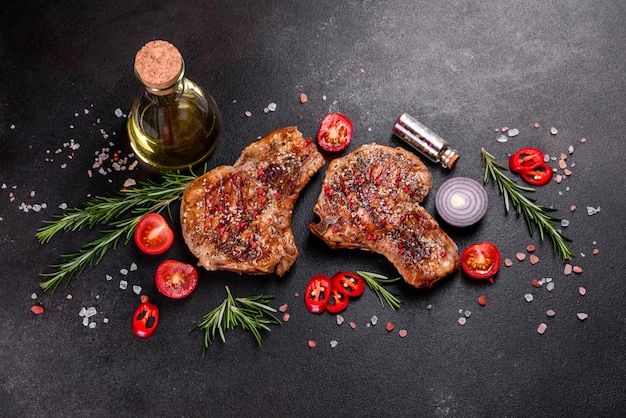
[
  {"x": 534, "y": 214},
  {"x": 104, "y": 209},
  {"x": 252, "y": 313},
  {"x": 376, "y": 283},
  {"x": 133, "y": 203}
]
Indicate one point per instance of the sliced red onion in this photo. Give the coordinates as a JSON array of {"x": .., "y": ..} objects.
[{"x": 461, "y": 201}]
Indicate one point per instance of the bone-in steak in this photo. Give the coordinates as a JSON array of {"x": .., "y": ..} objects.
[
  {"x": 370, "y": 200},
  {"x": 238, "y": 218}
]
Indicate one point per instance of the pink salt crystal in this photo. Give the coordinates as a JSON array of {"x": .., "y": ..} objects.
[
  {"x": 582, "y": 316},
  {"x": 542, "y": 328},
  {"x": 550, "y": 313},
  {"x": 567, "y": 172},
  {"x": 520, "y": 256},
  {"x": 462, "y": 320},
  {"x": 402, "y": 333},
  {"x": 562, "y": 164},
  {"x": 508, "y": 262},
  {"x": 595, "y": 251},
  {"x": 577, "y": 269},
  {"x": 582, "y": 291},
  {"x": 573, "y": 208},
  {"x": 286, "y": 317},
  {"x": 536, "y": 125},
  {"x": 567, "y": 270},
  {"x": 583, "y": 140},
  {"x": 283, "y": 308},
  {"x": 352, "y": 325},
  {"x": 530, "y": 248},
  {"x": 534, "y": 259}
]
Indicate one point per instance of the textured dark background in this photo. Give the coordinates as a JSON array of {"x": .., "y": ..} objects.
[{"x": 463, "y": 68}]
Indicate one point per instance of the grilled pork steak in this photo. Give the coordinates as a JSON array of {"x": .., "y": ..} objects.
[
  {"x": 370, "y": 199},
  {"x": 238, "y": 218}
]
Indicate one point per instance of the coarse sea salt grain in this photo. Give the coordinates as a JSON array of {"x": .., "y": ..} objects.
[
  {"x": 123, "y": 284},
  {"x": 333, "y": 343},
  {"x": 528, "y": 297},
  {"x": 542, "y": 328},
  {"x": 137, "y": 289},
  {"x": 374, "y": 320}
]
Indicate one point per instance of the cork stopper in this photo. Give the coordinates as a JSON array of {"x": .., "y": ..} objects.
[{"x": 158, "y": 65}]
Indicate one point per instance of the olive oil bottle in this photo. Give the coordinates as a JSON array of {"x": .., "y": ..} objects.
[{"x": 172, "y": 124}]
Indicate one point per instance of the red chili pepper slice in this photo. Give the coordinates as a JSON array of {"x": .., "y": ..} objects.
[
  {"x": 338, "y": 301},
  {"x": 525, "y": 159},
  {"x": 348, "y": 283},
  {"x": 540, "y": 175},
  {"x": 317, "y": 293},
  {"x": 145, "y": 319}
]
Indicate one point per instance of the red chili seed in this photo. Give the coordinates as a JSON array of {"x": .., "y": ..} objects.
[{"x": 535, "y": 283}]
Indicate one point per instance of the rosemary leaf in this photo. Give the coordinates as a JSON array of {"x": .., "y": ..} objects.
[
  {"x": 535, "y": 215},
  {"x": 376, "y": 283}
]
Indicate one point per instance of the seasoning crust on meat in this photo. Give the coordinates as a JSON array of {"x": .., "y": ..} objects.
[
  {"x": 238, "y": 218},
  {"x": 370, "y": 200}
]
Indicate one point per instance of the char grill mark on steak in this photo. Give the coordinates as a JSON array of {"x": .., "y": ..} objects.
[
  {"x": 238, "y": 218},
  {"x": 370, "y": 199}
]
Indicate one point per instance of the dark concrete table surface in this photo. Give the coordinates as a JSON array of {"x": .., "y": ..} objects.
[{"x": 465, "y": 69}]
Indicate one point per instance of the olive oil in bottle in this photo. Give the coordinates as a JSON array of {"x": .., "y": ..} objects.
[{"x": 172, "y": 124}]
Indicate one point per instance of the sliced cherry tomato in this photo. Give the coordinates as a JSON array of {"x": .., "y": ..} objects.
[
  {"x": 176, "y": 279},
  {"x": 338, "y": 300},
  {"x": 153, "y": 235},
  {"x": 349, "y": 283},
  {"x": 317, "y": 293},
  {"x": 481, "y": 261},
  {"x": 525, "y": 159},
  {"x": 335, "y": 132},
  {"x": 539, "y": 175},
  {"x": 145, "y": 319}
]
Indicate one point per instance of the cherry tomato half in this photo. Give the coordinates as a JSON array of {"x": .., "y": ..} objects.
[
  {"x": 317, "y": 293},
  {"x": 481, "y": 261},
  {"x": 176, "y": 279},
  {"x": 539, "y": 175},
  {"x": 349, "y": 283},
  {"x": 338, "y": 300},
  {"x": 525, "y": 159},
  {"x": 335, "y": 132},
  {"x": 153, "y": 235},
  {"x": 145, "y": 319}
]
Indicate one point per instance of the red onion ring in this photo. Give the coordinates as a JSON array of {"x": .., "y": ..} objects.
[{"x": 461, "y": 201}]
